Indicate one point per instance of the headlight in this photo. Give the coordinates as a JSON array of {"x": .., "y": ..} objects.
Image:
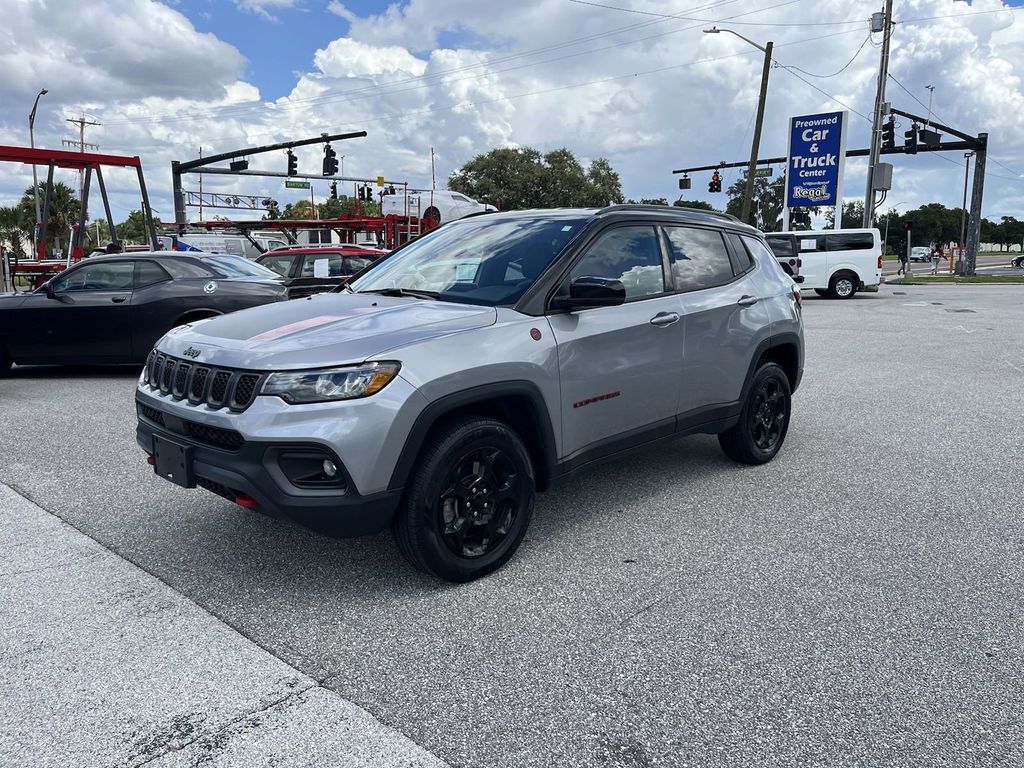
[{"x": 330, "y": 383}]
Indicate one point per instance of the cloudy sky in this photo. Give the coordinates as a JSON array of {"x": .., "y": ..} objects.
[{"x": 636, "y": 81}]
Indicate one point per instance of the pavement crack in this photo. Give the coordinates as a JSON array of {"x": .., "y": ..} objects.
[{"x": 177, "y": 736}]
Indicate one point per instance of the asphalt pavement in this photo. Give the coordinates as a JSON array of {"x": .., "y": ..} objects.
[{"x": 855, "y": 602}]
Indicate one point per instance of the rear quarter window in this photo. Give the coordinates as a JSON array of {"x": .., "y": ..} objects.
[{"x": 850, "y": 241}]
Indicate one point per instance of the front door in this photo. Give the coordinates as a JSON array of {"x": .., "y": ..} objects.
[
  {"x": 620, "y": 366},
  {"x": 87, "y": 321}
]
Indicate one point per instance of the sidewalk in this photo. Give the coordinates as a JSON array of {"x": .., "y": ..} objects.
[{"x": 105, "y": 665}]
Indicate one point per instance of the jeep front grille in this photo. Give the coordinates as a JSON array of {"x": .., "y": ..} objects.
[{"x": 214, "y": 386}]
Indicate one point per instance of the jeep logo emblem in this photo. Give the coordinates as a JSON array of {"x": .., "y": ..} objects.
[{"x": 192, "y": 352}]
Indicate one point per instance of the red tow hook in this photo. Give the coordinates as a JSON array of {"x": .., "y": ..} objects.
[
  {"x": 150, "y": 460},
  {"x": 245, "y": 500}
]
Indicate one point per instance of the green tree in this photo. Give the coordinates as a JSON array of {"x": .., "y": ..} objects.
[
  {"x": 64, "y": 209},
  {"x": 273, "y": 210},
  {"x": 767, "y": 205},
  {"x": 15, "y": 231},
  {"x": 300, "y": 209},
  {"x": 332, "y": 208},
  {"x": 516, "y": 178},
  {"x": 133, "y": 230},
  {"x": 852, "y": 216},
  {"x": 698, "y": 204}
]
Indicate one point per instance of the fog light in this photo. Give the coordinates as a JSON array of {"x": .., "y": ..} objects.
[{"x": 329, "y": 469}]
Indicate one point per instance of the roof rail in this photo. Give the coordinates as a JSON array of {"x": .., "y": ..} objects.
[{"x": 661, "y": 208}]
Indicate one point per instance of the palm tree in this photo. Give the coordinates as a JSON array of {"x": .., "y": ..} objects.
[
  {"x": 64, "y": 209},
  {"x": 12, "y": 230}
]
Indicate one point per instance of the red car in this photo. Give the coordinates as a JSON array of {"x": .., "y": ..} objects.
[{"x": 304, "y": 276}]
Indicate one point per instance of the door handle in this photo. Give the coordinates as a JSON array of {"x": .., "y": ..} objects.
[
  {"x": 665, "y": 318},
  {"x": 747, "y": 301},
  {"x": 118, "y": 299}
]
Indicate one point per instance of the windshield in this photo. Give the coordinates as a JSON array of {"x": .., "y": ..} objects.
[
  {"x": 237, "y": 266},
  {"x": 483, "y": 260}
]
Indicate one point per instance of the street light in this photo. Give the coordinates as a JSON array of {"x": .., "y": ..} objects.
[
  {"x": 35, "y": 180},
  {"x": 748, "y": 193}
]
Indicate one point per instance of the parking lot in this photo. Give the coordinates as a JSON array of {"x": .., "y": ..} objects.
[{"x": 855, "y": 602}]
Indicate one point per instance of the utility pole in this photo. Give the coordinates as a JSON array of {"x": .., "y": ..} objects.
[
  {"x": 81, "y": 122},
  {"x": 755, "y": 146},
  {"x": 876, "y": 121},
  {"x": 974, "y": 222},
  {"x": 35, "y": 180}
]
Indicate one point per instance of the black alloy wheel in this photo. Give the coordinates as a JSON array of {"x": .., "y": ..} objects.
[
  {"x": 478, "y": 508},
  {"x": 768, "y": 415},
  {"x": 468, "y": 501},
  {"x": 764, "y": 421}
]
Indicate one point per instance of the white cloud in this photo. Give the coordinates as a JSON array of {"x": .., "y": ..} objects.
[{"x": 264, "y": 8}]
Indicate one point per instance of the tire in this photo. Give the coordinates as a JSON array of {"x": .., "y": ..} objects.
[
  {"x": 433, "y": 214},
  {"x": 5, "y": 362},
  {"x": 821, "y": 292},
  {"x": 764, "y": 421},
  {"x": 452, "y": 470},
  {"x": 842, "y": 286}
]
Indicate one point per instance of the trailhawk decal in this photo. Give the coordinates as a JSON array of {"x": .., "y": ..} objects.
[{"x": 313, "y": 322}]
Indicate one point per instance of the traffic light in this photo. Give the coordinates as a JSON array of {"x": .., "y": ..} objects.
[
  {"x": 889, "y": 134},
  {"x": 715, "y": 185},
  {"x": 365, "y": 193},
  {"x": 334, "y": 190},
  {"x": 910, "y": 140},
  {"x": 293, "y": 164},
  {"x": 330, "y": 161}
]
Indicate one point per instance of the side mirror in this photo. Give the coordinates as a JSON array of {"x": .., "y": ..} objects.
[
  {"x": 591, "y": 291},
  {"x": 48, "y": 290}
]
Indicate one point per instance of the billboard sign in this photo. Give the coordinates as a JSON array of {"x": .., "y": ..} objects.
[{"x": 814, "y": 163}]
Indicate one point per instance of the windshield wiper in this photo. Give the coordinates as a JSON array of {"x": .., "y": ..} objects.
[
  {"x": 412, "y": 292},
  {"x": 344, "y": 287}
]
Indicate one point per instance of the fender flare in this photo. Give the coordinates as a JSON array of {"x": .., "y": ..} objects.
[{"x": 543, "y": 441}]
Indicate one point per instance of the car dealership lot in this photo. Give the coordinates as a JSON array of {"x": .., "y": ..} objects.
[{"x": 856, "y": 601}]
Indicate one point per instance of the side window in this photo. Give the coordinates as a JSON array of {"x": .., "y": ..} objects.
[
  {"x": 280, "y": 264},
  {"x": 850, "y": 241},
  {"x": 812, "y": 243},
  {"x": 148, "y": 273},
  {"x": 354, "y": 264},
  {"x": 333, "y": 264},
  {"x": 699, "y": 258},
  {"x": 782, "y": 247},
  {"x": 742, "y": 260},
  {"x": 629, "y": 254},
  {"x": 757, "y": 248},
  {"x": 104, "y": 276}
]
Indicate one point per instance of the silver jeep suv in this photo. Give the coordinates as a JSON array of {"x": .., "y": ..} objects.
[{"x": 451, "y": 381}]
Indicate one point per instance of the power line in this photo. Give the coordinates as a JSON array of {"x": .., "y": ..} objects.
[
  {"x": 838, "y": 71},
  {"x": 712, "y": 21},
  {"x": 823, "y": 93}
]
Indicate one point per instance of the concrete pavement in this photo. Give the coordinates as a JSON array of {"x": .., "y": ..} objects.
[{"x": 104, "y": 665}]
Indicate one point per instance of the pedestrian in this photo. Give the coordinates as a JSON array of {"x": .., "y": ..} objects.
[
  {"x": 903, "y": 264},
  {"x": 936, "y": 255}
]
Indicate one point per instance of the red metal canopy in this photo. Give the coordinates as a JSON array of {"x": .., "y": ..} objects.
[{"x": 62, "y": 158}]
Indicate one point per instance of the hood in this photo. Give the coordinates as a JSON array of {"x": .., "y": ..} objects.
[{"x": 323, "y": 330}]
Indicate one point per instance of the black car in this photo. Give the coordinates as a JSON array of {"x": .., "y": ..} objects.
[
  {"x": 112, "y": 309},
  {"x": 298, "y": 266}
]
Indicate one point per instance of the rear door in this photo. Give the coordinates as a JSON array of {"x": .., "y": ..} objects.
[
  {"x": 813, "y": 260},
  {"x": 725, "y": 317},
  {"x": 620, "y": 367}
]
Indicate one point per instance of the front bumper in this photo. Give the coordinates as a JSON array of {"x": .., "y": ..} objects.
[{"x": 235, "y": 468}]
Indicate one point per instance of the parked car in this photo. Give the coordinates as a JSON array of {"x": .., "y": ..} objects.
[
  {"x": 920, "y": 253},
  {"x": 216, "y": 242},
  {"x": 833, "y": 262},
  {"x": 439, "y": 403},
  {"x": 111, "y": 309},
  {"x": 314, "y": 270},
  {"x": 437, "y": 205}
]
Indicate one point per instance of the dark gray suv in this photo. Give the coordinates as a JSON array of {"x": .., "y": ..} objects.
[{"x": 451, "y": 381}]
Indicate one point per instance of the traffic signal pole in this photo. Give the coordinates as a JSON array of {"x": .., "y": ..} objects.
[{"x": 876, "y": 122}]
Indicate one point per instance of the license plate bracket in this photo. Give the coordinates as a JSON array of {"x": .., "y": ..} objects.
[{"x": 173, "y": 461}]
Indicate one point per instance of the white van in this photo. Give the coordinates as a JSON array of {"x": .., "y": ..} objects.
[
  {"x": 832, "y": 262},
  {"x": 221, "y": 243}
]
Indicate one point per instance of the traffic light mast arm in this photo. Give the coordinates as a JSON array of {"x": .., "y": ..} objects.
[{"x": 191, "y": 164}]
